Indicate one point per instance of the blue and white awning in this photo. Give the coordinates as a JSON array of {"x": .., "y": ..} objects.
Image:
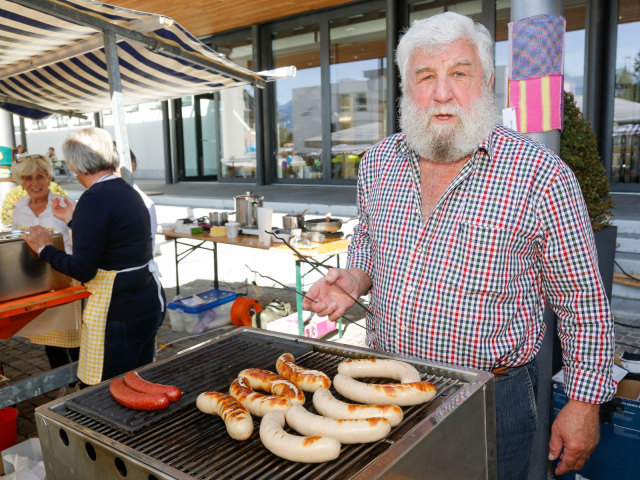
[
  {"x": 628, "y": 129},
  {"x": 52, "y": 58}
]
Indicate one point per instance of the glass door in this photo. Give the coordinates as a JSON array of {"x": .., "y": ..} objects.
[{"x": 201, "y": 138}]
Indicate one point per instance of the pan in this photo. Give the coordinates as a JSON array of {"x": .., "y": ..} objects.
[{"x": 326, "y": 224}]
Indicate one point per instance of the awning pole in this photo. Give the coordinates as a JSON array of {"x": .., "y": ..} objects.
[{"x": 117, "y": 106}]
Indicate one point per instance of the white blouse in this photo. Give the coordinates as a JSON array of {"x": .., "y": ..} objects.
[{"x": 24, "y": 216}]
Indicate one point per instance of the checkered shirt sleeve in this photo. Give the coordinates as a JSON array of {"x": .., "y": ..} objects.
[
  {"x": 573, "y": 287},
  {"x": 360, "y": 252}
]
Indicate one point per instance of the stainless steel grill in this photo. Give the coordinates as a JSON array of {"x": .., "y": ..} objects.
[{"x": 452, "y": 436}]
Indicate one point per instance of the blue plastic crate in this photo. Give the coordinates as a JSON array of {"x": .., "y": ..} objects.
[{"x": 212, "y": 298}]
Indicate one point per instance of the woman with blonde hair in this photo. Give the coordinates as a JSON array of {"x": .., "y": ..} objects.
[{"x": 33, "y": 173}]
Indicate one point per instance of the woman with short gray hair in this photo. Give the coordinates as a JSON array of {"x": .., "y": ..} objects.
[
  {"x": 89, "y": 151},
  {"x": 112, "y": 255}
]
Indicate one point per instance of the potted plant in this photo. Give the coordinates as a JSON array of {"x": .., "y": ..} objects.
[{"x": 579, "y": 150}]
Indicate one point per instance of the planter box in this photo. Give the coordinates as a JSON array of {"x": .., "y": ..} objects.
[{"x": 606, "y": 246}]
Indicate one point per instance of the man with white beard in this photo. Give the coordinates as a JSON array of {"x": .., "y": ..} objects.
[{"x": 466, "y": 229}]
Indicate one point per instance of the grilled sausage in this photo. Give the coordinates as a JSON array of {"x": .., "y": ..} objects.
[
  {"x": 273, "y": 384},
  {"x": 307, "y": 380},
  {"x": 381, "y": 368},
  {"x": 236, "y": 418},
  {"x": 401, "y": 394},
  {"x": 325, "y": 404},
  {"x": 134, "y": 382},
  {"x": 292, "y": 447},
  {"x": 136, "y": 400},
  {"x": 347, "y": 431},
  {"x": 257, "y": 403}
]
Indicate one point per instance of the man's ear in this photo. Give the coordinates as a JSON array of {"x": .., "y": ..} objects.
[{"x": 491, "y": 80}]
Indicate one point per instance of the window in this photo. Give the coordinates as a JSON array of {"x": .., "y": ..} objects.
[
  {"x": 625, "y": 161},
  {"x": 298, "y": 103},
  {"x": 237, "y": 116},
  {"x": 358, "y": 89},
  {"x": 62, "y": 121},
  {"x": 38, "y": 125},
  {"x": 361, "y": 102},
  {"x": 426, "y": 9}
]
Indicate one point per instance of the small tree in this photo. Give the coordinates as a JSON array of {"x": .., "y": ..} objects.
[{"x": 579, "y": 150}]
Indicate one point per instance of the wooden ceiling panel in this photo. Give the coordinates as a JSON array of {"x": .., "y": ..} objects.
[{"x": 205, "y": 17}]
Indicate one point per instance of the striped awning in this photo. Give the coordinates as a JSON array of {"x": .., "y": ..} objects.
[
  {"x": 628, "y": 129},
  {"x": 52, "y": 58}
]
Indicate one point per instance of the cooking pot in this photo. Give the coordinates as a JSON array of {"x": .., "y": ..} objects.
[
  {"x": 326, "y": 224},
  {"x": 247, "y": 209},
  {"x": 218, "y": 218},
  {"x": 293, "y": 221}
]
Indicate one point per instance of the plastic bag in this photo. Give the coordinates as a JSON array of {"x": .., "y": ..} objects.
[{"x": 24, "y": 468}]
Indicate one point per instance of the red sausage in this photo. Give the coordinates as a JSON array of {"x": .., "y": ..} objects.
[
  {"x": 134, "y": 382},
  {"x": 136, "y": 400}
]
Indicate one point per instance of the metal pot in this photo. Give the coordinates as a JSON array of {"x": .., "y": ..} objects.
[
  {"x": 328, "y": 224},
  {"x": 293, "y": 221},
  {"x": 218, "y": 218},
  {"x": 247, "y": 209}
]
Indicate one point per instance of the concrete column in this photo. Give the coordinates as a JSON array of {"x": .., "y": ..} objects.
[
  {"x": 7, "y": 138},
  {"x": 539, "y": 453}
]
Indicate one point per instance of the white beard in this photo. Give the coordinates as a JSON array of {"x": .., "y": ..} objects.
[{"x": 447, "y": 143}]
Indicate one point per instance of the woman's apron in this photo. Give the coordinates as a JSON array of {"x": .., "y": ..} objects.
[{"x": 94, "y": 320}]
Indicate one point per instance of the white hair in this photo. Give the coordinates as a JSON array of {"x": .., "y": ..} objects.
[
  {"x": 28, "y": 165},
  {"x": 433, "y": 34},
  {"x": 90, "y": 150}
]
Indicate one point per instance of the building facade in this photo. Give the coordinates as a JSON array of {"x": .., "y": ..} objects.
[{"x": 314, "y": 128}]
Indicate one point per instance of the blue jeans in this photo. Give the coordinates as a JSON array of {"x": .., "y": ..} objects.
[{"x": 517, "y": 420}]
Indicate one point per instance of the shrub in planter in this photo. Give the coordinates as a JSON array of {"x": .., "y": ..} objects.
[
  {"x": 579, "y": 150},
  {"x": 16, "y": 193}
]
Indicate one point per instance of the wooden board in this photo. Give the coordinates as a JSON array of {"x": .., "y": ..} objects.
[
  {"x": 622, "y": 279},
  {"x": 205, "y": 17},
  {"x": 329, "y": 247}
]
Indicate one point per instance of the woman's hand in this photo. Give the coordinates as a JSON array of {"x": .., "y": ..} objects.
[
  {"x": 63, "y": 213},
  {"x": 37, "y": 237}
]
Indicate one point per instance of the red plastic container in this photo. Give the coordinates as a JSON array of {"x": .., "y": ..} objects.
[{"x": 8, "y": 427}]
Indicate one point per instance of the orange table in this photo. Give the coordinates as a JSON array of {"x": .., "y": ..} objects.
[{"x": 15, "y": 314}]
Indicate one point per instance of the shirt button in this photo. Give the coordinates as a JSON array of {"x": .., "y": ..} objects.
[
  {"x": 417, "y": 210},
  {"x": 409, "y": 288},
  {"x": 403, "y": 328},
  {"x": 419, "y": 249}
]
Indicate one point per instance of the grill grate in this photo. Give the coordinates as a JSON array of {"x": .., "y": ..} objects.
[
  {"x": 191, "y": 372},
  {"x": 198, "y": 445}
]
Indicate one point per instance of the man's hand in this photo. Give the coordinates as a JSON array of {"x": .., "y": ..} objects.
[
  {"x": 38, "y": 237},
  {"x": 577, "y": 429},
  {"x": 329, "y": 299},
  {"x": 63, "y": 213}
]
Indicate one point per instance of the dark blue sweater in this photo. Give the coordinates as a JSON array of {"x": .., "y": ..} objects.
[{"x": 110, "y": 230}]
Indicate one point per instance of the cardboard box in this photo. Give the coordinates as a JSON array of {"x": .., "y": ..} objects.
[{"x": 616, "y": 456}]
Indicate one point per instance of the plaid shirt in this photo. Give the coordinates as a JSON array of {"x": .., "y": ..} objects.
[{"x": 467, "y": 285}]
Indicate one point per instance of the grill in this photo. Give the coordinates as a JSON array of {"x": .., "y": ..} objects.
[{"x": 86, "y": 436}]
